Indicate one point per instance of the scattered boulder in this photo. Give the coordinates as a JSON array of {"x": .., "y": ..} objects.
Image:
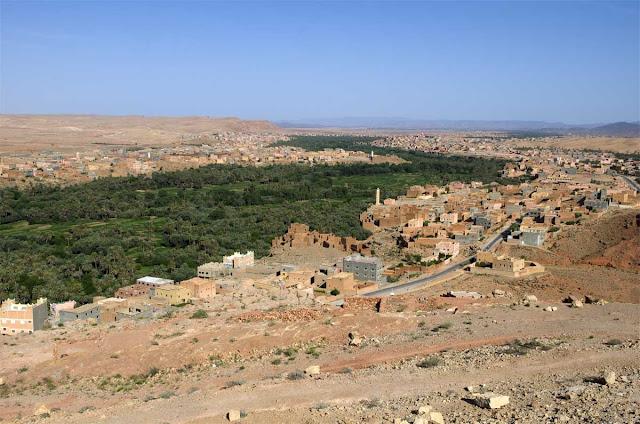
[
  {"x": 489, "y": 400},
  {"x": 550, "y": 309},
  {"x": 594, "y": 301},
  {"x": 355, "y": 339},
  {"x": 42, "y": 410},
  {"x": 530, "y": 298},
  {"x": 609, "y": 378},
  {"x": 571, "y": 298},
  {"x": 577, "y": 304},
  {"x": 312, "y": 370},
  {"x": 233, "y": 415},
  {"x": 498, "y": 293},
  {"x": 1, "y": 381}
]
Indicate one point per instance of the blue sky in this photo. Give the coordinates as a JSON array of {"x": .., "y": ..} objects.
[{"x": 576, "y": 62}]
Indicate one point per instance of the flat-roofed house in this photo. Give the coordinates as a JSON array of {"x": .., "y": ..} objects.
[
  {"x": 174, "y": 295},
  {"x": 201, "y": 288},
  {"x": 343, "y": 282},
  {"x": 154, "y": 282},
  {"x": 16, "y": 318}
]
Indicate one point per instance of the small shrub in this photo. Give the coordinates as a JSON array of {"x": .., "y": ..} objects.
[
  {"x": 334, "y": 292},
  {"x": 371, "y": 403},
  {"x": 167, "y": 395},
  {"x": 199, "y": 314},
  {"x": 23, "y": 369},
  {"x": 233, "y": 383},
  {"x": 430, "y": 362},
  {"x": 444, "y": 326},
  {"x": 613, "y": 342},
  {"x": 295, "y": 375},
  {"x": 276, "y": 361}
]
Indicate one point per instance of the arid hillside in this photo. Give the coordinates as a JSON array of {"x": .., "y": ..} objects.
[{"x": 32, "y": 133}]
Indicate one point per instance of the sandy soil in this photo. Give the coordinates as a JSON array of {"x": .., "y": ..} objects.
[{"x": 33, "y": 133}]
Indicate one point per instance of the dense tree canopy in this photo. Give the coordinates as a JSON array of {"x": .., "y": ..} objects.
[{"x": 89, "y": 239}]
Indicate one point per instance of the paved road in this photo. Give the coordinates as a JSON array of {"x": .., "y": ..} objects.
[
  {"x": 411, "y": 285},
  {"x": 634, "y": 185}
]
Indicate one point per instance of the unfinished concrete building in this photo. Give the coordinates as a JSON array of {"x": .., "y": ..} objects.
[{"x": 365, "y": 268}]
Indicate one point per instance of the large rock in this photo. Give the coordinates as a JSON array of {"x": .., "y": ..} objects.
[
  {"x": 490, "y": 400},
  {"x": 312, "y": 370},
  {"x": 436, "y": 417},
  {"x": 609, "y": 378},
  {"x": 424, "y": 410},
  {"x": 530, "y": 298},
  {"x": 233, "y": 415},
  {"x": 498, "y": 293},
  {"x": 577, "y": 304}
]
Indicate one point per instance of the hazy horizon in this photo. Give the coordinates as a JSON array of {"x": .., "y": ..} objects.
[{"x": 570, "y": 62}]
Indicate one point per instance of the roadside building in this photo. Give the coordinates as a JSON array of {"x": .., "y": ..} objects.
[
  {"x": 366, "y": 268},
  {"x": 343, "y": 282},
  {"x": 16, "y": 318}
]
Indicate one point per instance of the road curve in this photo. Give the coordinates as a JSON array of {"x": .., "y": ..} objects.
[{"x": 411, "y": 285}]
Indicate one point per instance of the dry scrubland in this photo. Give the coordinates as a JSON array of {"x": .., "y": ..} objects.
[
  {"x": 422, "y": 349},
  {"x": 33, "y": 133}
]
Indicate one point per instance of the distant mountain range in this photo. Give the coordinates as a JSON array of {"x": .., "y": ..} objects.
[{"x": 618, "y": 129}]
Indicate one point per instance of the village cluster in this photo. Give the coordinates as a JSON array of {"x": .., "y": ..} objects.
[
  {"x": 231, "y": 148},
  {"x": 432, "y": 228}
]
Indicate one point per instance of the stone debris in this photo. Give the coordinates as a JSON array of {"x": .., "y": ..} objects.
[
  {"x": 233, "y": 415},
  {"x": 572, "y": 392},
  {"x": 489, "y": 400},
  {"x": 463, "y": 294},
  {"x": 312, "y": 370},
  {"x": 294, "y": 315}
]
